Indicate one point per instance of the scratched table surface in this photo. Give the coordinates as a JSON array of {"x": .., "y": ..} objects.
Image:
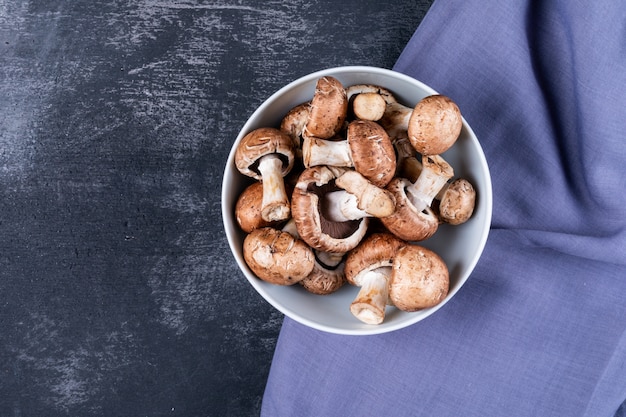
[{"x": 118, "y": 293}]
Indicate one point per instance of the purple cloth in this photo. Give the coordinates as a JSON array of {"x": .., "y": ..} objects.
[{"x": 539, "y": 329}]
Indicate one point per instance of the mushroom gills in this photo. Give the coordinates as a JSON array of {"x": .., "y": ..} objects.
[{"x": 335, "y": 229}]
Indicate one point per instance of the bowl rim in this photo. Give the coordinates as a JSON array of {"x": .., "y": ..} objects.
[{"x": 486, "y": 196}]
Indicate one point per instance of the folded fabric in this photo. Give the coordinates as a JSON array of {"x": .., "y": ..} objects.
[{"x": 539, "y": 329}]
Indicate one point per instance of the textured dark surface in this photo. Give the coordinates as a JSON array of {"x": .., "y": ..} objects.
[{"x": 118, "y": 294}]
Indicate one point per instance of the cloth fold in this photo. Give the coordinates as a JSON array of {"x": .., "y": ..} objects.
[{"x": 539, "y": 329}]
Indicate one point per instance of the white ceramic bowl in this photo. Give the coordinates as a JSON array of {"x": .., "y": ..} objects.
[{"x": 459, "y": 246}]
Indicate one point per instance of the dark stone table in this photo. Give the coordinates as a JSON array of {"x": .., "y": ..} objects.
[{"x": 118, "y": 294}]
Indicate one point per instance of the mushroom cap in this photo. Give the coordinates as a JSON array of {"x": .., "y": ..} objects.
[
  {"x": 369, "y": 106},
  {"x": 457, "y": 202},
  {"x": 376, "y": 251},
  {"x": 277, "y": 257},
  {"x": 435, "y": 125},
  {"x": 261, "y": 142},
  {"x": 396, "y": 119},
  {"x": 353, "y": 90},
  {"x": 419, "y": 279},
  {"x": 324, "y": 280},
  {"x": 372, "y": 151},
  {"x": 317, "y": 231},
  {"x": 406, "y": 222},
  {"x": 328, "y": 109},
  {"x": 248, "y": 208},
  {"x": 293, "y": 125}
]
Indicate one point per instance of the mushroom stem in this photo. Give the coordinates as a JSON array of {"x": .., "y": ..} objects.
[
  {"x": 358, "y": 199},
  {"x": 369, "y": 305},
  {"x": 408, "y": 166},
  {"x": 275, "y": 204},
  {"x": 317, "y": 151},
  {"x": 374, "y": 200},
  {"x": 341, "y": 206},
  {"x": 435, "y": 174},
  {"x": 290, "y": 227},
  {"x": 396, "y": 118}
]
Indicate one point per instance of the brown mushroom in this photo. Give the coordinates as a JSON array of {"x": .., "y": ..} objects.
[
  {"x": 327, "y": 275},
  {"x": 419, "y": 279},
  {"x": 369, "y": 266},
  {"x": 248, "y": 208},
  {"x": 307, "y": 211},
  {"x": 432, "y": 125},
  {"x": 414, "y": 218},
  {"x": 435, "y": 125},
  {"x": 396, "y": 118},
  {"x": 277, "y": 257},
  {"x": 328, "y": 109},
  {"x": 456, "y": 202},
  {"x": 367, "y": 148},
  {"x": 293, "y": 124},
  {"x": 266, "y": 154},
  {"x": 407, "y": 222}
]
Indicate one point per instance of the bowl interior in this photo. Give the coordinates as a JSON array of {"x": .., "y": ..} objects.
[{"x": 459, "y": 246}]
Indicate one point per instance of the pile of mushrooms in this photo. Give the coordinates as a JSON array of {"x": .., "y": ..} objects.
[{"x": 344, "y": 190}]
